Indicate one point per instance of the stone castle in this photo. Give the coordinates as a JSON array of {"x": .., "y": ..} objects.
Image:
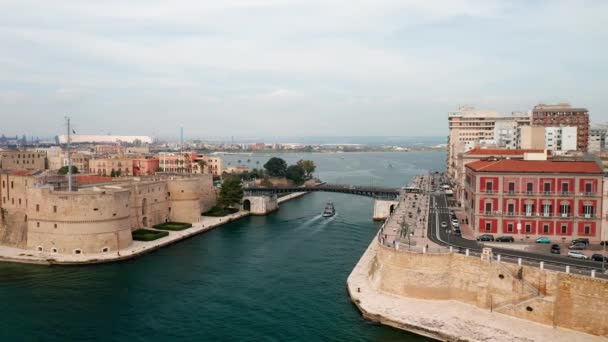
[{"x": 36, "y": 214}]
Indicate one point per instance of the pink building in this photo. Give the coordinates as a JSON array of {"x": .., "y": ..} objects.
[{"x": 145, "y": 166}]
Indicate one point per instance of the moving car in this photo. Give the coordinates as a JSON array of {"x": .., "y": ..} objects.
[
  {"x": 505, "y": 239},
  {"x": 543, "y": 240},
  {"x": 456, "y": 224},
  {"x": 457, "y": 232},
  {"x": 577, "y": 246},
  {"x": 556, "y": 249},
  {"x": 599, "y": 257},
  {"x": 485, "y": 237},
  {"x": 577, "y": 255},
  {"x": 444, "y": 225}
]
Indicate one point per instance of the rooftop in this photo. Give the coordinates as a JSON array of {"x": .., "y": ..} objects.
[
  {"x": 501, "y": 152},
  {"x": 535, "y": 166}
]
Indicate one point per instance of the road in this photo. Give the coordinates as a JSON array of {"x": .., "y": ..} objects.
[{"x": 439, "y": 212}]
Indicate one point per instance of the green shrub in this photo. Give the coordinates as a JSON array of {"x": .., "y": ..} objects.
[
  {"x": 218, "y": 211},
  {"x": 173, "y": 226},
  {"x": 148, "y": 234}
]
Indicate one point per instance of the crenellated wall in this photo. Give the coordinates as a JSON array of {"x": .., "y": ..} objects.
[
  {"x": 547, "y": 297},
  {"x": 78, "y": 222}
]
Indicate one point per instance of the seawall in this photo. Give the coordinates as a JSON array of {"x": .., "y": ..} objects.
[{"x": 453, "y": 297}]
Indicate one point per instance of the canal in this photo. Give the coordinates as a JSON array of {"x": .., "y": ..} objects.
[{"x": 275, "y": 278}]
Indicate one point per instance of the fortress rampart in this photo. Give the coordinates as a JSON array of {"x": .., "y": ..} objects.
[{"x": 543, "y": 296}]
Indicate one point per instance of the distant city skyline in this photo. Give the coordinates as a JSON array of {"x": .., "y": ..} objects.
[{"x": 303, "y": 68}]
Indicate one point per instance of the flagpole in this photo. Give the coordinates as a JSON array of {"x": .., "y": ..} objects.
[{"x": 69, "y": 156}]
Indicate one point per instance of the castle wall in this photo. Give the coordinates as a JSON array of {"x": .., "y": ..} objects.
[
  {"x": 13, "y": 204},
  {"x": 190, "y": 197},
  {"x": 542, "y": 296},
  {"x": 148, "y": 202},
  {"x": 79, "y": 222}
]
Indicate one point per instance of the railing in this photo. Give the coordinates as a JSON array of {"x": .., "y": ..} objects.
[
  {"x": 541, "y": 214},
  {"x": 539, "y": 193}
]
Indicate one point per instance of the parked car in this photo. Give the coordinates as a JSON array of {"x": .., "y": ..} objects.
[
  {"x": 444, "y": 225},
  {"x": 599, "y": 257},
  {"x": 556, "y": 249},
  {"x": 577, "y": 246},
  {"x": 603, "y": 243},
  {"x": 457, "y": 232},
  {"x": 580, "y": 240},
  {"x": 456, "y": 224},
  {"x": 485, "y": 237},
  {"x": 577, "y": 255},
  {"x": 505, "y": 239},
  {"x": 452, "y": 213},
  {"x": 543, "y": 240}
]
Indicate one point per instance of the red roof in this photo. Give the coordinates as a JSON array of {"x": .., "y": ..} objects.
[
  {"x": 535, "y": 166},
  {"x": 89, "y": 179},
  {"x": 501, "y": 152}
]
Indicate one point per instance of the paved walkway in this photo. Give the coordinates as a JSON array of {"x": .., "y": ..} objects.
[{"x": 446, "y": 320}]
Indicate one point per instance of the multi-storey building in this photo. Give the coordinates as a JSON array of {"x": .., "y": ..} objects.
[
  {"x": 213, "y": 165},
  {"x": 477, "y": 154},
  {"x": 145, "y": 166},
  {"x": 597, "y": 139},
  {"x": 119, "y": 166},
  {"x": 563, "y": 115},
  {"x": 561, "y": 138},
  {"x": 531, "y": 137},
  {"x": 177, "y": 162},
  {"x": 468, "y": 127},
  {"x": 528, "y": 199},
  {"x": 22, "y": 160}
]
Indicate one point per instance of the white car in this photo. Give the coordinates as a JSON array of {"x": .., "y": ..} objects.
[
  {"x": 444, "y": 225},
  {"x": 577, "y": 255},
  {"x": 456, "y": 224}
]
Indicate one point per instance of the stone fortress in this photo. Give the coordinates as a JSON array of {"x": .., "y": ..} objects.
[{"x": 38, "y": 215}]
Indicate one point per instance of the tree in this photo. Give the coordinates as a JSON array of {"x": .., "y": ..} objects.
[
  {"x": 231, "y": 192},
  {"x": 276, "y": 167},
  {"x": 64, "y": 170},
  {"x": 308, "y": 166},
  {"x": 202, "y": 164},
  {"x": 295, "y": 173},
  {"x": 308, "y": 148}
]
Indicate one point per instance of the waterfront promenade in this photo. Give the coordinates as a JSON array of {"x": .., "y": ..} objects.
[{"x": 11, "y": 254}]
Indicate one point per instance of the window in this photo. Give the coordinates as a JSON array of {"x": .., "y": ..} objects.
[
  {"x": 54, "y": 250},
  {"x": 587, "y": 230},
  {"x": 528, "y": 228},
  {"x": 529, "y": 209},
  {"x": 565, "y": 188},
  {"x": 488, "y": 226},
  {"x": 511, "y": 187},
  {"x": 37, "y": 224},
  {"x": 488, "y": 208},
  {"x": 510, "y": 227},
  {"x": 37, "y": 207},
  {"x": 54, "y": 208},
  {"x": 20, "y": 201},
  {"x": 55, "y": 225},
  {"x": 104, "y": 250},
  {"x": 588, "y": 188},
  {"x": 530, "y": 187},
  {"x": 588, "y": 210},
  {"x": 39, "y": 248},
  {"x": 77, "y": 251},
  {"x": 564, "y": 229},
  {"x": 547, "y": 210},
  {"x": 3, "y": 184},
  {"x": 489, "y": 187},
  {"x": 545, "y": 228},
  {"x": 12, "y": 184},
  {"x": 564, "y": 209},
  {"x": 547, "y": 188},
  {"x": 511, "y": 209}
]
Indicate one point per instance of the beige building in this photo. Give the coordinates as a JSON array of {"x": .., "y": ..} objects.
[
  {"x": 107, "y": 166},
  {"x": 22, "y": 160},
  {"x": 214, "y": 165},
  {"x": 469, "y": 127},
  {"x": 98, "y": 218},
  {"x": 79, "y": 160},
  {"x": 531, "y": 138}
]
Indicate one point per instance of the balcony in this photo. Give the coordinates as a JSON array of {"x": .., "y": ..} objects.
[
  {"x": 566, "y": 193},
  {"x": 589, "y": 194}
]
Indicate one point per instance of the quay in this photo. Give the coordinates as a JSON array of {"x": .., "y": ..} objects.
[
  {"x": 138, "y": 248},
  {"x": 408, "y": 281}
]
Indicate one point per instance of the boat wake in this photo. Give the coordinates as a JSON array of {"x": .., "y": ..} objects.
[
  {"x": 323, "y": 224},
  {"x": 309, "y": 222}
]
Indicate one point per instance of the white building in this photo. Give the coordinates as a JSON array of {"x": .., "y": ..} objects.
[
  {"x": 561, "y": 138},
  {"x": 597, "y": 139},
  {"x": 103, "y": 139}
]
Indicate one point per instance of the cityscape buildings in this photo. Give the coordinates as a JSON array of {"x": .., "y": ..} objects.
[{"x": 561, "y": 115}]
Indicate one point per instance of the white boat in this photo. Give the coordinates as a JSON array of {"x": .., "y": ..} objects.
[{"x": 329, "y": 210}]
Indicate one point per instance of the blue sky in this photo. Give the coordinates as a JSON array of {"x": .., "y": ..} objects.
[{"x": 302, "y": 67}]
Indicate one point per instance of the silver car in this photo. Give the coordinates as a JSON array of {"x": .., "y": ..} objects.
[{"x": 577, "y": 255}]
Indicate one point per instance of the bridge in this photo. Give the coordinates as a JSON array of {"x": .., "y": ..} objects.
[{"x": 375, "y": 192}]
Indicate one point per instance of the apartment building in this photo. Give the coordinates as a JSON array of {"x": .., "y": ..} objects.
[
  {"x": 564, "y": 115},
  {"x": 597, "y": 139},
  {"x": 468, "y": 127},
  {"x": 561, "y": 138},
  {"x": 22, "y": 160}
]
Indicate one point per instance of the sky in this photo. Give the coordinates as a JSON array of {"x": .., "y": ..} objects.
[{"x": 292, "y": 68}]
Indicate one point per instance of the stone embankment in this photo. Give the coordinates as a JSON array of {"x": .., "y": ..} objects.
[
  {"x": 415, "y": 285},
  {"x": 11, "y": 254}
]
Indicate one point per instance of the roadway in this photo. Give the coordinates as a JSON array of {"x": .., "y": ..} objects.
[{"x": 439, "y": 212}]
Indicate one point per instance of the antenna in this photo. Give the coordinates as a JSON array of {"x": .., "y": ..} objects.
[{"x": 67, "y": 118}]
